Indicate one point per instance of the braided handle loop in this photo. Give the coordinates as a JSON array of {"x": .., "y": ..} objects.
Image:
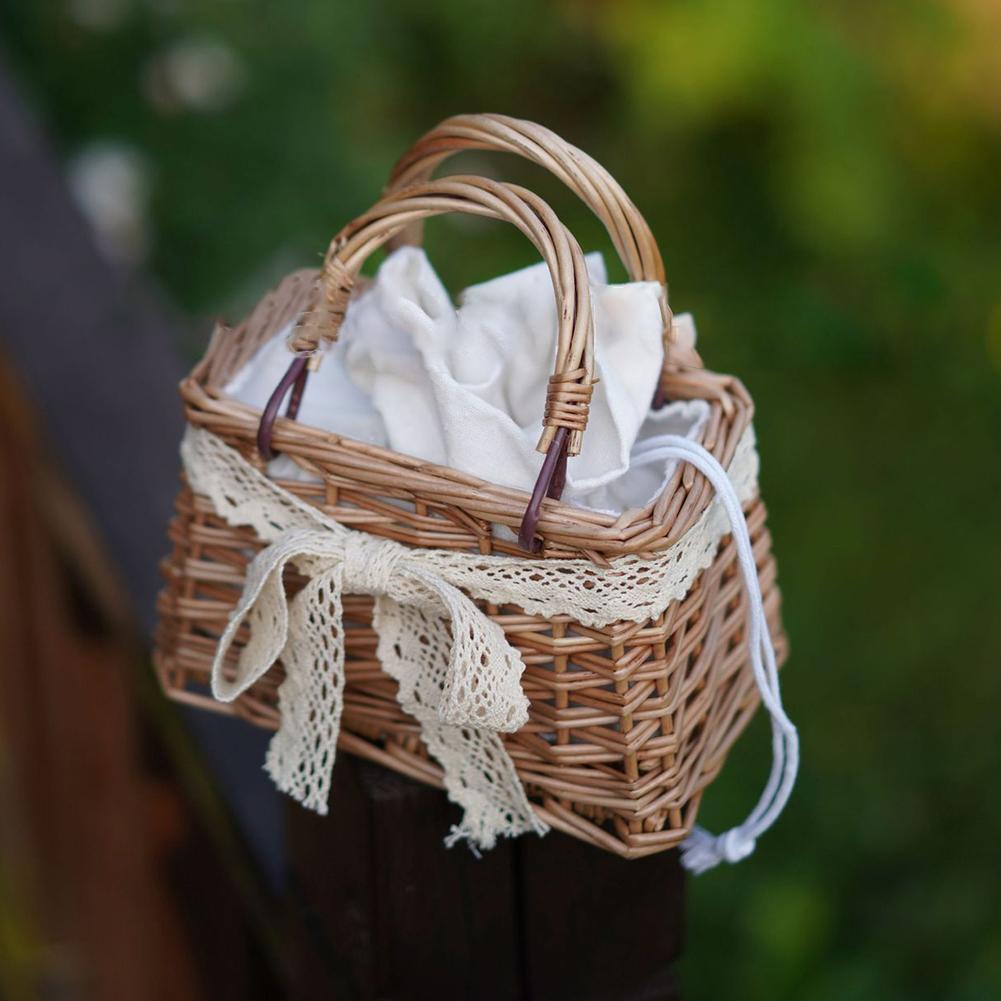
[
  {"x": 571, "y": 385},
  {"x": 629, "y": 232}
]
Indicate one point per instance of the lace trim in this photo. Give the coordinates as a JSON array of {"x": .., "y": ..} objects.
[{"x": 458, "y": 675}]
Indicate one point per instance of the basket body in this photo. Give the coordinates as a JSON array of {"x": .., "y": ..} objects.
[{"x": 628, "y": 723}]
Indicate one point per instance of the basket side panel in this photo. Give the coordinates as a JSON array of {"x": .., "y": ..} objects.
[{"x": 628, "y": 723}]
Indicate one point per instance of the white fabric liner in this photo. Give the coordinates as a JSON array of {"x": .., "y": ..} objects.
[{"x": 465, "y": 386}]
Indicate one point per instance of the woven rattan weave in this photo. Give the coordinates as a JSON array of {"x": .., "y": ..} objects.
[{"x": 629, "y": 723}]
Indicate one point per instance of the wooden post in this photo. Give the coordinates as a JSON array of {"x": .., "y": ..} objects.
[{"x": 379, "y": 908}]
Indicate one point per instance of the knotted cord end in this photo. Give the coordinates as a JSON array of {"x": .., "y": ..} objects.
[{"x": 702, "y": 851}]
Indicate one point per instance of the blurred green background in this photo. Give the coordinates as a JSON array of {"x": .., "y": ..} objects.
[{"x": 825, "y": 182}]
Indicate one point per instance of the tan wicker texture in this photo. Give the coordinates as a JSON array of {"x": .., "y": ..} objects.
[{"x": 629, "y": 723}]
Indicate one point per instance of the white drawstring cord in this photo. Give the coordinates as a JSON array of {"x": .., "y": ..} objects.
[{"x": 702, "y": 850}]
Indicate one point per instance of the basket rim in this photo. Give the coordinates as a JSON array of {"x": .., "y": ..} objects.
[{"x": 567, "y": 531}]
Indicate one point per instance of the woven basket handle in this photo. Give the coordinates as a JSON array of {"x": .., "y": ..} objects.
[
  {"x": 626, "y": 226},
  {"x": 570, "y": 386}
]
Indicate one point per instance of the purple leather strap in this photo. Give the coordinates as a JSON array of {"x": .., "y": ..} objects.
[
  {"x": 294, "y": 379},
  {"x": 552, "y": 479}
]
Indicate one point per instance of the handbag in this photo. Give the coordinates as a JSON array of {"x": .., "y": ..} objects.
[{"x": 548, "y": 665}]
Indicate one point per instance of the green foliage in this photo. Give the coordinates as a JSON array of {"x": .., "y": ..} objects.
[{"x": 824, "y": 183}]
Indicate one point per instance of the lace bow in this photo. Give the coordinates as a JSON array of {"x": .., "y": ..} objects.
[{"x": 457, "y": 673}]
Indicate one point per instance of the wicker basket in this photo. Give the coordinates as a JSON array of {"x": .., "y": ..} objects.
[{"x": 630, "y": 722}]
